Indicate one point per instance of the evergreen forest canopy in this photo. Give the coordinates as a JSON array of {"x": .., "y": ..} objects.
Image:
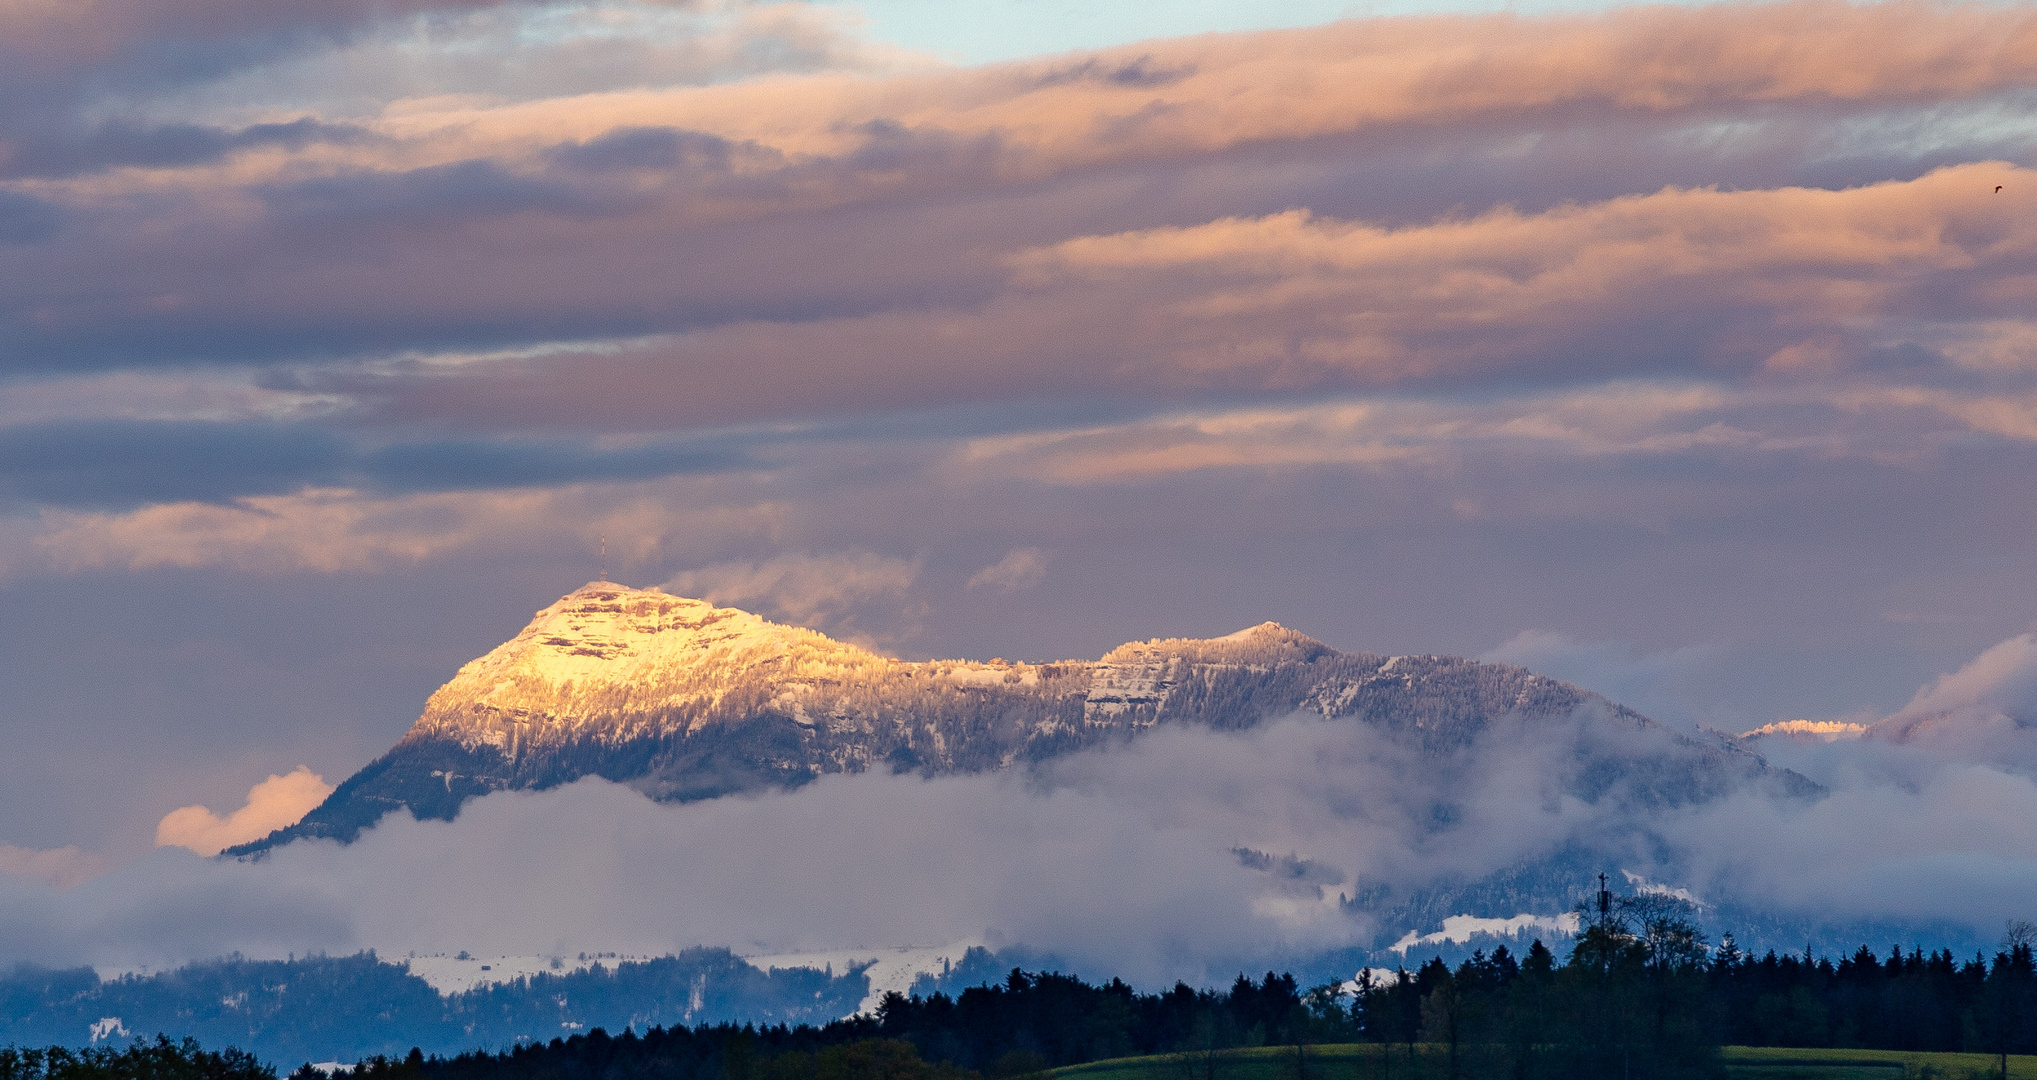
[
  {"x": 1641, "y": 994},
  {"x": 353, "y": 1007}
]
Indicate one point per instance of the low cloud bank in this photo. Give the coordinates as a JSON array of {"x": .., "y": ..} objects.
[{"x": 1124, "y": 861}]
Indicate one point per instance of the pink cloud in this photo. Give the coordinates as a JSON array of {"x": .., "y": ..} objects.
[
  {"x": 272, "y": 804},
  {"x": 51, "y": 35},
  {"x": 787, "y": 200},
  {"x": 1786, "y": 283},
  {"x": 1203, "y": 94}
]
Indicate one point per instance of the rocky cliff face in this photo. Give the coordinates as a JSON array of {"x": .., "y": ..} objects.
[{"x": 684, "y": 700}]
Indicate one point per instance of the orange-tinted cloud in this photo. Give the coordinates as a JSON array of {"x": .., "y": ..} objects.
[
  {"x": 1207, "y": 93},
  {"x": 1021, "y": 568},
  {"x": 1785, "y": 283},
  {"x": 443, "y": 226},
  {"x": 342, "y": 531},
  {"x": 272, "y": 804},
  {"x": 1743, "y": 279}
]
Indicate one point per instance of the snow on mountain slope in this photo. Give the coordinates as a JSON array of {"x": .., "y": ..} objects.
[
  {"x": 611, "y": 663},
  {"x": 684, "y": 701}
]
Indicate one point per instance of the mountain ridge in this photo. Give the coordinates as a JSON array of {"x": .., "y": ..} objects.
[{"x": 684, "y": 700}]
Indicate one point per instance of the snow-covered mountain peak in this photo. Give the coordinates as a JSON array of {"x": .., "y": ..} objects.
[
  {"x": 1265, "y": 644},
  {"x": 685, "y": 700},
  {"x": 609, "y": 662},
  {"x": 605, "y": 652}
]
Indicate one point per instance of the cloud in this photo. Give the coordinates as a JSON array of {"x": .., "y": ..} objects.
[
  {"x": 221, "y": 79},
  {"x": 1986, "y": 711},
  {"x": 58, "y": 61},
  {"x": 61, "y": 867},
  {"x": 1885, "y": 844},
  {"x": 1635, "y": 420},
  {"x": 101, "y": 463},
  {"x": 817, "y": 591},
  {"x": 1292, "y": 300},
  {"x": 50, "y": 37},
  {"x": 113, "y": 144},
  {"x": 272, "y": 804},
  {"x": 1792, "y": 284},
  {"x": 1665, "y": 686},
  {"x": 325, "y": 530},
  {"x": 339, "y": 530},
  {"x": 2003, "y": 679},
  {"x": 549, "y": 50},
  {"x": 1020, "y": 568},
  {"x": 1105, "y": 858},
  {"x": 359, "y": 243},
  {"x": 25, "y": 219},
  {"x": 1213, "y": 92},
  {"x": 164, "y": 397},
  {"x": 129, "y": 461},
  {"x": 1760, "y": 283}
]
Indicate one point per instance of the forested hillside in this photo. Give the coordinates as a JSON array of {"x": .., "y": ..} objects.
[
  {"x": 1640, "y": 993},
  {"x": 347, "y": 1008}
]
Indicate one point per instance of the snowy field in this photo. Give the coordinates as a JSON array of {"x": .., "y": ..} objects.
[
  {"x": 462, "y": 972},
  {"x": 892, "y": 968}
]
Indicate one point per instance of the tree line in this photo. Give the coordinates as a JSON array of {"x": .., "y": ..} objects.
[
  {"x": 1644, "y": 994},
  {"x": 143, "y": 1060}
]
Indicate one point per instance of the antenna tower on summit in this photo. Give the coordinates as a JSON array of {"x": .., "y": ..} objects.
[{"x": 604, "y": 558}]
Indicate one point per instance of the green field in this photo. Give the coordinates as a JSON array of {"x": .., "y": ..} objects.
[
  {"x": 1365, "y": 1061},
  {"x": 1784, "y": 1063}
]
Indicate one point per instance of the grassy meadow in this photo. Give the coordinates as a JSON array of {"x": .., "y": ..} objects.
[{"x": 1370, "y": 1061}]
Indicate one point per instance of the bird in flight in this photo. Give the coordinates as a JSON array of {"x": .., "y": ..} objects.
[{"x": 1998, "y": 189}]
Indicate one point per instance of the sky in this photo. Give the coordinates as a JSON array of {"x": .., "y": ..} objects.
[{"x": 1684, "y": 351}]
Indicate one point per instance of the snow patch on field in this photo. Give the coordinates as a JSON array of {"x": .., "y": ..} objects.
[
  {"x": 1644, "y": 887},
  {"x": 460, "y": 973},
  {"x": 1459, "y": 929},
  {"x": 888, "y": 969}
]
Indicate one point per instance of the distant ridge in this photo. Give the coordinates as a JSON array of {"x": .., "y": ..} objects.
[{"x": 685, "y": 700}]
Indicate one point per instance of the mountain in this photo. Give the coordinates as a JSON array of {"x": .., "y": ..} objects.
[
  {"x": 317, "y": 1008},
  {"x": 684, "y": 700}
]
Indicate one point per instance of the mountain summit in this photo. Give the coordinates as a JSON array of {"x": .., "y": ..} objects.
[{"x": 685, "y": 700}]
